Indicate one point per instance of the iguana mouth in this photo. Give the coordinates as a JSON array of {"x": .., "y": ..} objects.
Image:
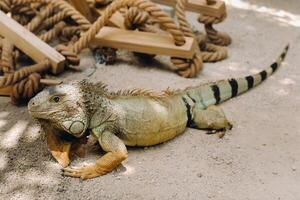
[{"x": 39, "y": 114}]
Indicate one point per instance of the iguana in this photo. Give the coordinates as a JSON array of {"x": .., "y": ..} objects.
[{"x": 136, "y": 117}]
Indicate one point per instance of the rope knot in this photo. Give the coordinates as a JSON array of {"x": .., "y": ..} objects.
[
  {"x": 71, "y": 57},
  {"x": 134, "y": 18},
  {"x": 26, "y": 88}
]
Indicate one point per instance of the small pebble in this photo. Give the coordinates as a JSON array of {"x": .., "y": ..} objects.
[
  {"x": 199, "y": 175},
  {"x": 294, "y": 168}
]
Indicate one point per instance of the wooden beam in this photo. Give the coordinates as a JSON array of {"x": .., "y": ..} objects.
[
  {"x": 216, "y": 9},
  {"x": 6, "y": 91},
  {"x": 144, "y": 42},
  {"x": 116, "y": 20},
  {"x": 83, "y": 7},
  {"x": 30, "y": 44}
]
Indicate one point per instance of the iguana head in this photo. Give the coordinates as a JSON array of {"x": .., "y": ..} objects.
[{"x": 63, "y": 107}]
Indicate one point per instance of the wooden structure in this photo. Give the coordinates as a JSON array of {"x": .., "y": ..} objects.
[
  {"x": 29, "y": 43},
  {"x": 144, "y": 42},
  {"x": 214, "y": 8}
]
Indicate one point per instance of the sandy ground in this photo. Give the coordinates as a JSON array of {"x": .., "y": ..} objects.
[{"x": 258, "y": 159}]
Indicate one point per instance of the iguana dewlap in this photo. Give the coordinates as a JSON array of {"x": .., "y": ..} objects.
[{"x": 136, "y": 117}]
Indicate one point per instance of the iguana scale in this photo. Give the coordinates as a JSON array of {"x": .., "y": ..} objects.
[{"x": 136, "y": 117}]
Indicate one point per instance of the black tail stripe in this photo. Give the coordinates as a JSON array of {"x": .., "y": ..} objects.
[
  {"x": 282, "y": 56},
  {"x": 274, "y": 66},
  {"x": 191, "y": 97},
  {"x": 190, "y": 121},
  {"x": 216, "y": 91},
  {"x": 250, "y": 81},
  {"x": 234, "y": 87},
  {"x": 263, "y": 75}
]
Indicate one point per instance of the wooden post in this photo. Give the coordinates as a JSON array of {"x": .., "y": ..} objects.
[
  {"x": 30, "y": 44},
  {"x": 144, "y": 42}
]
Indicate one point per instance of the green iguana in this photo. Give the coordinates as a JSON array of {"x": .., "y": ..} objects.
[{"x": 136, "y": 117}]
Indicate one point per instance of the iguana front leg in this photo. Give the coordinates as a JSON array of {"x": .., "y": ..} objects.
[
  {"x": 213, "y": 118},
  {"x": 59, "y": 148},
  {"x": 116, "y": 153}
]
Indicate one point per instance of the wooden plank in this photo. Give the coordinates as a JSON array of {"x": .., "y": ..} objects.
[
  {"x": 6, "y": 91},
  {"x": 83, "y": 7},
  {"x": 144, "y": 42},
  {"x": 200, "y": 6},
  {"x": 30, "y": 44},
  {"x": 116, "y": 20}
]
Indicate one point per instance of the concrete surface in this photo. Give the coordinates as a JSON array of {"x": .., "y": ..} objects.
[{"x": 257, "y": 160}]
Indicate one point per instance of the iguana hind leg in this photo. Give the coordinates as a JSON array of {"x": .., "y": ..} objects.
[
  {"x": 116, "y": 153},
  {"x": 213, "y": 118}
]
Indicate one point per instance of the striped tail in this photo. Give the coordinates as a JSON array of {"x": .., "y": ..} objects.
[{"x": 223, "y": 90}]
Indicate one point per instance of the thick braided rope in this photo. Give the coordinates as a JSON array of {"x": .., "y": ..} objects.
[
  {"x": 214, "y": 53},
  {"x": 38, "y": 19},
  {"x": 72, "y": 12},
  {"x": 210, "y": 52},
  {"x": 134, "y": 18},
  {"x": 71, "y": 57},
  {"x": 54, "y": 19},
  {"x": 52, "y": 33},
  {"x": 23, "y": 10},
  {"x": 70, "y": 34},
  {"x": 7, "y": 63},
  {"x": 213, "y": 35},
  {"x": 5, "y": 5},
  {"x": 21, "y": 19},
  {"x": 93, "y": 3},
  {"x": 16, "y": 76},
  {"x": 147, "y": 6},
  {"x": 26, "y": 88},
  {"x": 186, "y": 67},
  {"x": 64, "y": 7},
  {"x": 181, "y": 17}
]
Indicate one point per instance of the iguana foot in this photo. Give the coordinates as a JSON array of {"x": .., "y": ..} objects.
[
  {"x": 62, "y": 157},
  {"x": 220, "y": 132},
  {"x": 213, "y": 118},
  {"x": 86, "y": 172}
]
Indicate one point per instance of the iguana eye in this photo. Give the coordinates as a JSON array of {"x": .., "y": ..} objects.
[{"x": 55, "y": 99}]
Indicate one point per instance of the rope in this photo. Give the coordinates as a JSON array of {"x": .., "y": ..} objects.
[
  {"x": 71, "y": 12},
  {"x": 214, "y": 53},
  {"x": 5, "y": 5},
  {"x": 135, "y": 19},
  {"x": 69, "y": 32},
  {"x": 71, "y": 57},
  {"x": 26, "y": 88},
  {"x": 187, "y": 68},
  {"x": 36, "y": 21},
  {"x": 147, "y": 6},
  {"x": 13, "y": 78},
  {"x": 213, "y": 35},
  {"x": 54, "y": 19},
  {"x": 52, "y": 33},
  {"x": 7, "y": 57}
]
